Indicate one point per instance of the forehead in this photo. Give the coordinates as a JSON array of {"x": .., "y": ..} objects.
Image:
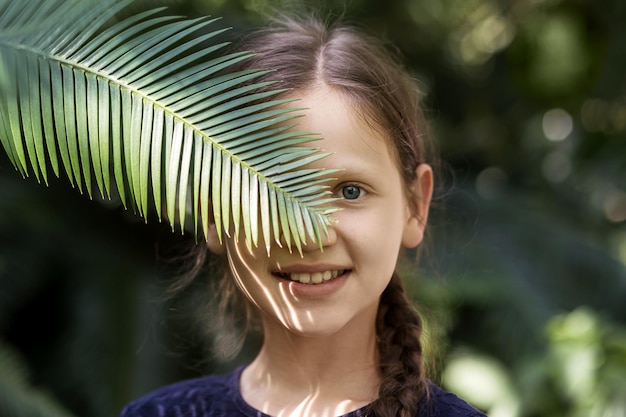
[{"x": 344, "y": 128}]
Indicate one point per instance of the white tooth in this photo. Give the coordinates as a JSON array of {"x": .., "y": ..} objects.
[
  {"x": 304, "y": 278},
  {"x": 314, "y": 278}
]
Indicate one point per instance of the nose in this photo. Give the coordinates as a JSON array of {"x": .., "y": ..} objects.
[{"x": 325, "y": 240}]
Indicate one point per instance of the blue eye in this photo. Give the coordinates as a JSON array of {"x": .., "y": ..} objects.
[{"x": 351, "y": 192}]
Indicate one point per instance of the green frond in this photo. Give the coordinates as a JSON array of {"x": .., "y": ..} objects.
[{"x": 147, "y": 107}]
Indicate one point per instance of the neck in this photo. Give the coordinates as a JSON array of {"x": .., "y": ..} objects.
[{"x": 313, "y": 376}]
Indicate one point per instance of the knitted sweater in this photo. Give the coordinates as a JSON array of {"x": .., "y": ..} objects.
[{"x": 219, "y": 396}]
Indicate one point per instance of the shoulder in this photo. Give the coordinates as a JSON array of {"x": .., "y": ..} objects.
[
  {"x": 441, "y": 403},
  {"x": 206, "y": 396}
]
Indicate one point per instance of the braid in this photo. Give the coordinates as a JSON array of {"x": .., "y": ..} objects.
[{"x": 399, "y": 328}]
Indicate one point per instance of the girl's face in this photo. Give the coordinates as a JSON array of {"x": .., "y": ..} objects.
[{"x": 325, "y": 291}]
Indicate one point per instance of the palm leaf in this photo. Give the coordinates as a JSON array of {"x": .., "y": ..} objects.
[{"x": 147, "y": 105}]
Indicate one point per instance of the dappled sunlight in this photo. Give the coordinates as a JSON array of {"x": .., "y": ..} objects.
[
  {"x": 528, "y": 104},
  {"x": 476, "y": 44},
  {"x": 599, "y": 115},
  {"x": 336, "y": 391},
  {"x": 491, "y": 182},
  {"x": 586, "y": 358},
  {"x": 557, "y": 124},
  {"x": 614, "y": 205},
  {"x": 476, "y": 30},
  {"x": 610, "y": 200},
  {"x": 576, "y": 350},
  {"x": 484, "y": 382},
  {"x": 582, "y": 364},
  {"x": 282, "y": 308},
  {"x": 302, "y": 408},
  {"x": 273, "y": 296},
  {"x": 557, "y": 127},
  {"x": 312, "y": 405},
  {"x": 556, "y": 166}
]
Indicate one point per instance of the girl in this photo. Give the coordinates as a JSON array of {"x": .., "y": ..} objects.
[{"x": 340, "y": 336}]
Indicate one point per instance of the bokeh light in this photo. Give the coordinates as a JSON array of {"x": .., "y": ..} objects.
[{"x": 557, "y": 124}]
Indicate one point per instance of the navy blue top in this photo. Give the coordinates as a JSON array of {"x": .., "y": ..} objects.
[{"x": 219, "y": 396}]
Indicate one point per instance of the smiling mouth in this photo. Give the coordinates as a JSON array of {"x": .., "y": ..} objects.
[{"x": 312, "y": 278}]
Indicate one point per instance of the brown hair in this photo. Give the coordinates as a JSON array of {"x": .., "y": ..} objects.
[{"x": 304, "y": 53}]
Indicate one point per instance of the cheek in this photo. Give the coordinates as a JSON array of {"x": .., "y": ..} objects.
[
  {"x": 241, "y": 275},
  {"x": 385, "y": 216},
  {"x": 251, "y": 274},
  {"x": 244, "y": 269},
  {"x": 376, "y": 233}
]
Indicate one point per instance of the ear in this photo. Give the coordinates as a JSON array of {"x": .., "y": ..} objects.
[
  {"x": 213, "y": 241},
  {"x": 420, "y": 194}
]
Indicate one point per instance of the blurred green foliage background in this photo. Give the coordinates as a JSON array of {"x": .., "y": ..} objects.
[{"x": 524, "y": 281}]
